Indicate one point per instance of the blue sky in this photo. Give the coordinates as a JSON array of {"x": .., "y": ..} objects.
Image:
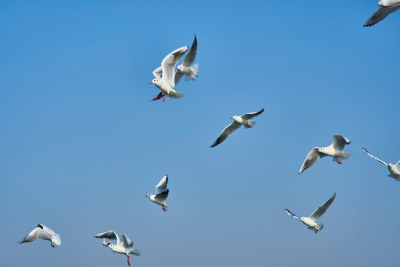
[{"x": 81, "y": 144}]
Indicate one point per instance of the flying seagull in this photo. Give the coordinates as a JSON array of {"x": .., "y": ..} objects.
[
  {"x": 237, "y": 122},
  {"x": 394, "y": 169},
  {"x": 165, "y": 74},
  {"x": 124, "y": 244},
  {"x": 42, "y": 232},
  {"x": 386, "y": 7},
  {"x": 161, "y": 193},
  {"x": 187, "y": 68},
  {"x": 310, "y": 221},
  {"x": 335, "y": 150}
]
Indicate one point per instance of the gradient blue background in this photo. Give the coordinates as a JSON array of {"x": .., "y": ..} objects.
[{"x": 81, "y": 144}]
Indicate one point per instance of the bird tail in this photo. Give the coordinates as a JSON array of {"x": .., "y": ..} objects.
[
  {"x": 176, "y": 94},
  {"x": 56, "y": 239},
  {"x": 345, "y": 155},
  {"x": 194, "y": 69},
  {"x": 250, "y": 124},
  {"x": 135, "y": 252},
  {"x": 319, "y": 226}
]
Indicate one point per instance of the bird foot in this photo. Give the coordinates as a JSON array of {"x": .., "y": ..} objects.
[
  {"x": 165, "y": 97},
  {"x": 129, "y": 264},
  {"x": 315, "y": 230},
  {"x": 338, "y": 160},
  {"x": 51, "y": 243},
  {"x": 164, "y": 209},
  {"x": 192, "y": 79}
]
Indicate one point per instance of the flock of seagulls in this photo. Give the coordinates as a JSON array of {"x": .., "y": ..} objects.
[{"x": 166, "y": 78}]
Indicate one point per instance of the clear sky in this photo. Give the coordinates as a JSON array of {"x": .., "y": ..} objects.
[{"x": 81, "y": 144}]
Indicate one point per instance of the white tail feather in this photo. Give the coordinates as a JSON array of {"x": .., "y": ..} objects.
[
  {"x": 176, "y": 94},
  {"x": 345, "y": 155},
  {"x": 56, "y": 239}
]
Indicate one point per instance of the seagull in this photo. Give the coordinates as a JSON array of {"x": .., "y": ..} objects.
[
  {"x": 335, "y": 150},
  {"x": 123, "y": 246},
  {"x": 186, "y": 68},
  {"x": 310, "y": 221},
  {"x": 161, "y": 193},
  {"x": 165, "y": 74},
  {"x": 394, "y": 169},
  {"x": 42, "y": 232},
  {"x": 237, "y": 122},
  {"x": 386, "y": 7}
]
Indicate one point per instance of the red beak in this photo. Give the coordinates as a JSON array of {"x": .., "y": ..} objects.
[{"x": 151, "y": 82}]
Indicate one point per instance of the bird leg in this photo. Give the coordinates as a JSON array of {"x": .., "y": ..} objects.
[
  {"x": 129, "y": 264},
  {"x": 338, "y": 160},
  {"x": 315, "y": 230},
  {"x": 164, "y": 209},
  {"x": 165, "y": 97},
  {"x": 51, "y": 243}
]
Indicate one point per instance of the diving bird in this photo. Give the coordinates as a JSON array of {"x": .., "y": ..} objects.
[
  {"x": 187, "y": 68},
  {"x": 124, "y": 244},
  {"x": 161, "y": 193},
  {"x": 237, "y": 122},
  {"x": 165, "y": 74},
  {"x": 386, "y": 7},
  {"x": 310, "y": 221},
  {"x": 335, "y": 150},
  {"x": 42, "y": 232},
  {"x": 393, "y": 169}
]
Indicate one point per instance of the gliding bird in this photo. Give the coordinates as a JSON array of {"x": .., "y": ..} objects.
[
  {"x": 310, "y": 221},
  {"x": 123, "y": 246},
  {"x": 394, "y": 169},
  {"x": 335, "y": 150},
  {"x": 186, "y": 68},
  {"x": 42, "y": 232},
  {"x": 237, "y": 122}
]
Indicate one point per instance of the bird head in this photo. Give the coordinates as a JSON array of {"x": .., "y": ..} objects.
[
  {"x": 147, "y": 196},
  {"x": 154, "y": 81}
]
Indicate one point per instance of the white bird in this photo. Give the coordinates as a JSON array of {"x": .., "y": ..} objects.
[
  {"x": 165, "y": 74},
  {"x": 161, "y": 193},
  {"x": 310, "y": 221},
  {"x": 335, "y": 150},
  {"x": 124, "y": 244},
  {"x": 237, "y": 122},
  {"x": 186, "y": 68},
  {"x": 42, "y": 232},
  {"x": 393, "y": 169},
  {"x": 386, "y": 7}
]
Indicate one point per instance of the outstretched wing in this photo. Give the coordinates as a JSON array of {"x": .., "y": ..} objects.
[
  {"x": 169, "y": 62},
  {"x": 381, "y": 13},
  {"x": 191, "y": 55},
  {"x": 162, "y": 196},
  {"x": 35, "y": 234},
  {"x": 158, "y": 73},
  {"x": 312, "y": 157},
  {"x": 291, "y": 214},
  {"x": 249, "y": 116},
  {"x": 339, "y": 141},
  {"x": 321, "y": 210},
  {"x": 226, "y": 132},
  {"x": 126, "y": 241},
  {"x": 381, "y": 161},
  {"x": 162, "y": 185},
  {"x": 109, "y": 235}
]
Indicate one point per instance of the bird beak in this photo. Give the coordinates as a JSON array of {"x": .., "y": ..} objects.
[
  {"x": 151, "y": 82},
  {"x": 179, "y": 70}
]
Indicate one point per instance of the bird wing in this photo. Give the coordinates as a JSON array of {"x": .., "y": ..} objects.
[
  {"x": 310, "y": 160},
  {"x": 291, "y": 214},
  {"x": 54, "y": 237},
  {"x": 398, "y": 164},
  {"x": 381, "y": 161},
  {"x": 339, "y": 141},
  {"x": 178, "y": 77},
  {"x": 162, "y": 196},
  {"x": 109, "y": 235},
  {"x": 169, "y": 62},
  {"x": 191, "y": 55},
  {"x": 321, "y": 210},
  {"x": 126, "y": 241},
  {"x": 158, "y": 73},
  {"x": 162, "y": 185},
  {"x": 381, "y": 13},
  {"x": 35, "y": 234},
  {"x": 249, "y": 116},
  {"x": 226, "y": 132}
]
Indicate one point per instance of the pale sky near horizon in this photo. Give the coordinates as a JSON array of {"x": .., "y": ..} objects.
[{"x": 82, "y": 144}]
